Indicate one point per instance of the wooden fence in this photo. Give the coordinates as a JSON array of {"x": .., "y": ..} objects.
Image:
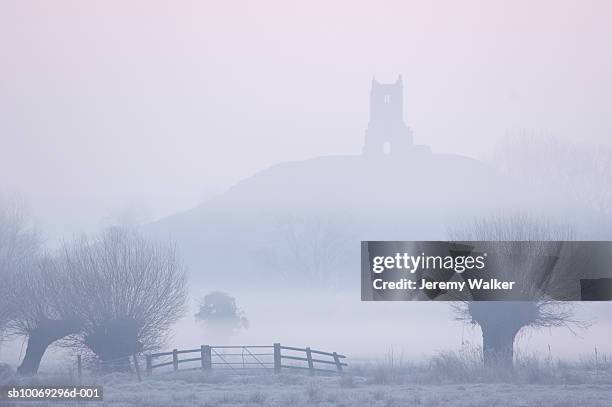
[{"x": 274, "y": 358}]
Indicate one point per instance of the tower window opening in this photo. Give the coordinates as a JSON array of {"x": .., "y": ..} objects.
[
  {"x": 387, "y": 99},
  {"x": 387, "y": 148}
]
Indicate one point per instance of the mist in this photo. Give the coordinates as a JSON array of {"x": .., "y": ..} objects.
[
  {"x": 191, "y": 121},
  {"x": 111, "y": 108}
]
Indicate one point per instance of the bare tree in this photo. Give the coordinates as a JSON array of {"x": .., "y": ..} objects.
[
  {"x": 576, "y": 171},
  {"x": 115, "y": 295},
  {"x": 529, "y": 251},
  {"x": 19, "y": 250},
  {"x": 43, "y": 314},
  {"x": 311, "y": 248},
  {"x": 29, "y": 292},
  {"x": 125, "y": 290}
]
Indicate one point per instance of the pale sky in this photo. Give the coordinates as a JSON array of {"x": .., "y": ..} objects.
[{"x": 151, "y": 107}]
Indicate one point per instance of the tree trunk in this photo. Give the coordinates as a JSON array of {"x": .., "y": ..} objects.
[
  {"x": 498, "y": 344},
  {"x": 37, "y": 345},
  {"x": 113, "y": 342},
  {"x": 39, "y": 340},
  {"x": 500, "y": 321}
]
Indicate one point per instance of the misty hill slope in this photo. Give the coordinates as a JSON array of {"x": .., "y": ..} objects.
[
  {"x": 310, "y": 215},
  {"x": 363, "y": 184}
]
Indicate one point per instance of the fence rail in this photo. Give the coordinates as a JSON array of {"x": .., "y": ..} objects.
[{"x": 269, "y": 357}]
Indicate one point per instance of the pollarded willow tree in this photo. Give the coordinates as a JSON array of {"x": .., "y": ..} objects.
[
  {"x": 125, "y": 290},
  {"x": 114, "y": 296},
  {"x": 30, "y": 291},
  {"x": 530, "y": 251},
  {"x": 43, "y": 313},
  {"x": 19, "y": 251}
]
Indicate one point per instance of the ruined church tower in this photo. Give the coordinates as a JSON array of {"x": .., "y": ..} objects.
[{"x": 387, "y": 133}]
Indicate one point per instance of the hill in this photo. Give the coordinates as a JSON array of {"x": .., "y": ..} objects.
[{"x": 305, "y": 219}]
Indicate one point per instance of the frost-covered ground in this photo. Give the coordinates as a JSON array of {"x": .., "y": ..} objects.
[
  {"x": 370, "y": 388},
  {"x": 298, "y": 390}
]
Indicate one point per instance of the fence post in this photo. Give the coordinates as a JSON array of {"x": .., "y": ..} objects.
[
  {"x": 206, "y": 353},
  {"x": 137, "y": 367},
  {"x": 149, "y": 365},
  {"x": 175, "y": 359},
  {"x": 337, "y": 360},
  {"x": 277, "y": 358},
  {"x": 310, "y": 363},
  {"x": 79, "y": 368}
]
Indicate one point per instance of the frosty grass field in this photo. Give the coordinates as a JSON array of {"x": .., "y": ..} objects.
[{"x": 445, "y": 380}]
